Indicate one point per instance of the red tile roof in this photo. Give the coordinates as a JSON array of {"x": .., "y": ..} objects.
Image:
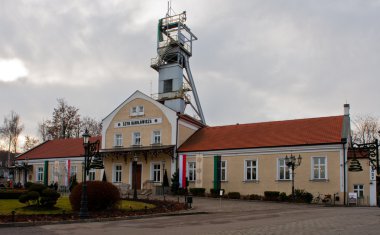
[
  {"x": 323, "y": 130},
  {"x": 60, "y": 148}
]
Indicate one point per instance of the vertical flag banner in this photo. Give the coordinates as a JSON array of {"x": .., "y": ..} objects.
[
  {"x": 67, "y": 181},
  {"x": 56, "y": 171},
  {"x": 217, "y": 172},
  {"x": 46, "y": 172},
  {"x": 182, "y": 171}
]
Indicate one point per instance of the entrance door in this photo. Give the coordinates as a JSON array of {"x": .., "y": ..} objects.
[{"x": 138, "y": 176}]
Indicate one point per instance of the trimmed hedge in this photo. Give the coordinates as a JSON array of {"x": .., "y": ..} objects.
[
  {"x": 198, "y": 191},
  {"x": 11, "y": 194},
  {"x": 271, "y": 195},
  {"x": 101, "y": 195}
]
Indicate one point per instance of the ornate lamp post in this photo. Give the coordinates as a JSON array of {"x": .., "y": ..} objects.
[
  {"x": 93, "y": 160},
  {"x": 135, "y": 158},
  {"x": 293, "y": 162},
  {"x": 369, "y": 151}
]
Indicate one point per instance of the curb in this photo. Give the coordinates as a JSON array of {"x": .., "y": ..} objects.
[{"x": 39, "y": 223}]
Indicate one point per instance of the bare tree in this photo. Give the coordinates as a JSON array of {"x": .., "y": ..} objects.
[
  {"x": 64, "y": 123},
  {"x": 366, "y": 129},
  {"x": 30, "y": 142},
  {"x": 43, "y": 130},
  {"x": 94, "y": 127},
  {"x": 11, "y": 130}
]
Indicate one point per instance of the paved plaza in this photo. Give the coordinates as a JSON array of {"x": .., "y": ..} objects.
[{"x": 231, "y": 217}]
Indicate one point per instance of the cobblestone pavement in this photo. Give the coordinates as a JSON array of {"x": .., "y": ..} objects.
[{"x": 232, "y": 217}]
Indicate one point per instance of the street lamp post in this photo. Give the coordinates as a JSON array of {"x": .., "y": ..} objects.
[
  {"x": 293, "y": 162},
  {"x": 93, "y": 160},
  {"x": 135, "y": 158}
]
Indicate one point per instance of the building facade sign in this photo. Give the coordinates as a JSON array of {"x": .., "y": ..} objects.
[{"x": 138, "y": 122}]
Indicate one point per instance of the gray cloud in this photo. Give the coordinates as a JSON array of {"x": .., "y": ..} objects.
[{"x": 254, "y": 61}]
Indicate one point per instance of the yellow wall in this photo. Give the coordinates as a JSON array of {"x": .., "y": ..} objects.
[
  {"x": 267, "y": 174},
  {"x": 361, "y": 177},
  {"x": 126, "y": 164},
  {"x": 184, "y": 133},
  {"x": 150, "y": 111}
]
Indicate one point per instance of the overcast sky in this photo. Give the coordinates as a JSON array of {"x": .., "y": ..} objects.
[{"x": 254, "y": 60}]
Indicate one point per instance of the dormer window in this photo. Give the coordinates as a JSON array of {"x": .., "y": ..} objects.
[
  {"x": 141, "y": 109},
  {"x": 137, "y": 110}
]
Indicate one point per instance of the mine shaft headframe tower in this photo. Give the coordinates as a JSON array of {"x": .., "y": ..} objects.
[{"x": 174, "y": 48}]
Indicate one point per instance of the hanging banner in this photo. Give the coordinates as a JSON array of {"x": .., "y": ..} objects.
[
  {"x": 217, "y": 172},
  {"x": 46, "y": 172},
  {"x": 56, "y": 171},
  {"x": 182, "y": 171},
  {"x": 67, "y": 179}
]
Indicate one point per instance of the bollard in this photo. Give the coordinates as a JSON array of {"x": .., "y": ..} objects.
[
  {"x": 63, "y": 214},
  {"x": 13, "y": 216},
  {"x": 146, "y": 209},
  {"x": 189, "y": 201}
]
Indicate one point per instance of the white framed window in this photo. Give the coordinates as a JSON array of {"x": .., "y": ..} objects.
[
  {"x": 40, "y": 174},
  {"x": 319, "y": 168},
  {"x": 156, "y": 137},
  {"x": 137, "y": 110},
  {"x": 359, "y": 190},
  {"x": 250, "y": 170},
  {"x": 156, "y": 172},
  {"x": 91, "y": 175},
  {"x": 191, "y": 166},
  {"x": 283, "y": 171},
  {"x": 118, "y": 140},
  {"x": 141, "y": 110},
  {"x": 136, "y": 138},
  {"x": 118, "y": 170},
  {"x": 223, "y": 170}
]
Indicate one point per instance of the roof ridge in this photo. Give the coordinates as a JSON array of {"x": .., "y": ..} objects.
[{"x": 267, "y": 122}]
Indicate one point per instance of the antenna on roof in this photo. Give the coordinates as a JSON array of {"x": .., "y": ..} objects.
[{"x": 170, "y": 11}]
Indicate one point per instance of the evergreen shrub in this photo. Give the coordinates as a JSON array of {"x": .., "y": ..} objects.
[
  {"x": 198, "y": 191},
  {"x": 303, "y": 196},
  {"x": 40, "y": 196},
  {"x": 283, "y": 197},
  {"x": 271, "y": 195}
]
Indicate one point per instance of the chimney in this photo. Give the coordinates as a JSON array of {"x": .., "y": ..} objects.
[{"x": 347, "y": 109}]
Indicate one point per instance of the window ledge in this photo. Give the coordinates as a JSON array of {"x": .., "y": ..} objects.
[
  {"x": 320, "y": 180},
  {"x": 118, "y": 146},
  {"x": 280, "y": 180},
  {"x": 251, "y": 181},
  {"x": 156, "y": 144},
  {"x": 136, "y": 145},
  {"x": 137, "y": 115}
]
